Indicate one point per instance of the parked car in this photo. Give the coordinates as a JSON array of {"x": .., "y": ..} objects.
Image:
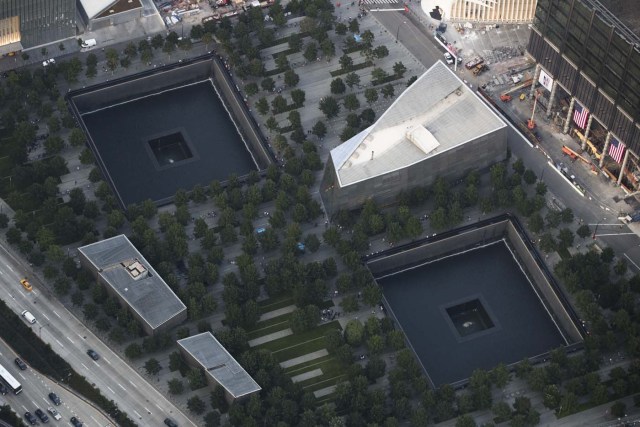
[
  {"x": 40, "y": 414},
  {"x": 93, "y": 354},
  {"x": 170, "y": 422},
  {"x": 29, "y": 416},
  {"x": 55, "y": 399},
  {"x": 21, "y": 364},
  {"x": 76, "y": 422},
  {"x": 55, "y": 414}
]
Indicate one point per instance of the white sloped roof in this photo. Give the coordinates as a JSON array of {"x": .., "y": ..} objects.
[
  {"x": 436, "y": 113},
  {"x": 93, "y": 7}
]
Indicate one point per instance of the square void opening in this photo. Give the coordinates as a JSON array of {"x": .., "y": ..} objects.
[
  {"x": 170, "y": 149},
  {"x": 469, "y": 318}
]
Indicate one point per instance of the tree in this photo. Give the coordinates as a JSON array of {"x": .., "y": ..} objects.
[
  {"x": 175, "y": 386},
  {"x": 465, "y": 420},
  {"x": 328, "y": 48},
  {"x": 329, "y": 107},
  {"x": 295, "y": 42},
  {"x": 380, "y": 52},
  {"x": 152, "y": 366},
  {"x": 352, "y": 79},
  {"x": 196, "y": 405},
  {"x": 262, "y": 106},
  {"x": 212, "y": 419},
  {"x": 583, "y": 231},
  {"x": 619, "y": 409},
  {"x": 354, "y": 26},
  {"x": 565, "y": 238},
  {"x": 548, "y": 243},
  {"x": 133, "y": 351},
  {"x": 346, "y": 62},
  {"x": 319, "y": 129},
  {"x": 310, "y": 52},
  {"x": 354, "y": 332},
  {"x": 536, "y": 223},
  {"x": 268, "y": 84},
  {"x": 337, "y": 86},
  {"x": 371, "y": 95},
  {"x": 278, "y": 104},
  {"x": 387, "y": 90},
  {"x": 298, "y": 97},
  {"x": 291, "y": 79},
  {"x": 351, "y": 102},
  {"x": 399, "y": 69}
]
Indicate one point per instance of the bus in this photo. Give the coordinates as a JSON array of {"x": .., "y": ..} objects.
[{"x": 10, "y": 381}]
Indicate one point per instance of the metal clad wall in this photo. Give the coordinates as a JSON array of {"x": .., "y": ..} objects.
[
  {"x": 42, "y": 21},
  {"x": 567, "y": 74},
  {"x": 603, "y": 108},
  {"x": 622, "y": 126},
  {"x": 584, "y": 91}
]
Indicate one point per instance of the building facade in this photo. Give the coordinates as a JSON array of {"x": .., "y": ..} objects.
[
  {"x": 416, "y": 140},
  {"x": 588, "y": 66},
  {"x": 480, "y": 11},
  {"x": 96, "y": 14},
  {"x": 32, "y": 23}
]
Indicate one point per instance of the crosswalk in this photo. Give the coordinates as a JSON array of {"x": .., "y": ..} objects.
[{"x": 379, "y": 2}]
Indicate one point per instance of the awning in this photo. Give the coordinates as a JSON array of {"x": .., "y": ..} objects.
[{"x": 11, "y": 47}]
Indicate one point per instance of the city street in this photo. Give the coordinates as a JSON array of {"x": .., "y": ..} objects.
[
  {"x": 71, "y": 339},
  {"x": 36, "y": 388}
]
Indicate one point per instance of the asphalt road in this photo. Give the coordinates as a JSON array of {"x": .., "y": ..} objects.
[
  {"x": 71, "y": 339},
  {"x": 35, "y": 390}
]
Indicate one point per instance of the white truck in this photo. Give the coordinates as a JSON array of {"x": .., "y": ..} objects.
[{"x": 89, "y": 43}]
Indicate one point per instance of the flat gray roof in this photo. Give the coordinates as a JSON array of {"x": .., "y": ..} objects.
[
  {"x": 436, "y": 113},
  {"x": 134, "y": 279},
  {"x": 217, "y": 362}
]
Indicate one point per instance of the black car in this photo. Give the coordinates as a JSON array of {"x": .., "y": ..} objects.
[
  {"x": 21, "y": 364},
  {"x": 29, "y": 416},
  {"x": 92, "y": 354},
  {"x": 55, "y": 399},
  {"x": 76, "y": 422},
  {"x": 40, "y": 414},
  {"x": 170, "y": 422},
  {"x": 3, "y": 389}
]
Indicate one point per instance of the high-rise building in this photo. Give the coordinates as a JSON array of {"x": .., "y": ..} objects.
[
  {"x": 485, "y": 11},
  {"x": 588, "y": 67},
  {"x": 26, "y": 24}
]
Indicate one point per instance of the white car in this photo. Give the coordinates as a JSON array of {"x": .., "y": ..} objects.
[
  {"x": 54, "y": 413},
  {"x": 48, "y": 61},
  {"x": 449, "y": 58}
]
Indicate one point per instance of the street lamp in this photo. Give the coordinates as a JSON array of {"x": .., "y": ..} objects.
[{"x": 398, "y": 32}]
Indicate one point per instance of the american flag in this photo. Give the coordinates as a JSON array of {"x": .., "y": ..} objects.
[
  {"x": 616, "y": 149},
  {"x": 580, "y": 115}
]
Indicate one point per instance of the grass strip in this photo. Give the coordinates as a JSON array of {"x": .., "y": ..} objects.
[
  {"x": 268, "y": 330},
  {"x": 271, "y": 304}
]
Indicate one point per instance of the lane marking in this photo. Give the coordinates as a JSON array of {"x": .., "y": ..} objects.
[
  {"x": 111, "y": 390},
  {"x": 56, "y": 313},
  {"x": 59, "y": 342},
  {"x": 94, "y": 419},
  {"x": 22, "y": 376},
  {"x": 136, "y": 412},
  {"x": 631, "y": 261},
  {"x": 34, "y": 403},
  {"x": 146, "y": 409},
  {"x": 85, "y": 366},
  {"x": 106, "y": 360},
  {"x": 121, "y": 386},
  {"x": 158, "y": 406},
  {"x": 45, "y": 316},
  {"x": 133, "y": 384},
  {"x": 71, "y": 341},
  {"x": 9, "y": 267},
  {"x": 96, "y": 363}
]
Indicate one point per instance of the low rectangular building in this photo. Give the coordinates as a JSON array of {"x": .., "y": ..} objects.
[
  {"x": 123, "y": 270},
  {"x": 221, "y": 369}
]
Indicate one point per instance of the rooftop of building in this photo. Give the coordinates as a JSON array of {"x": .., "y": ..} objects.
[
  {"x": 217, "y": 362},
  {"x": 423, "y": 122},
  {"x": 134, "y": 279},
  {"x": 102, "y": 8}
]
